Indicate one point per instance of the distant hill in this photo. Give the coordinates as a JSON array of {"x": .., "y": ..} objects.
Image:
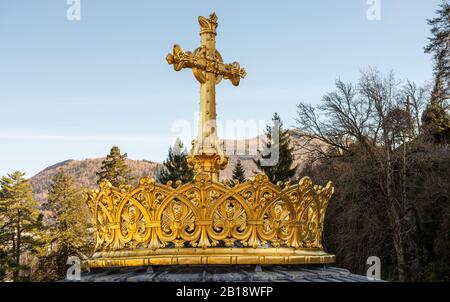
[{"x": 83, "y": 171}]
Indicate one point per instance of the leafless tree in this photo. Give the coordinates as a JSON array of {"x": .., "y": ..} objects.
[{"x": 371, "y": 126}]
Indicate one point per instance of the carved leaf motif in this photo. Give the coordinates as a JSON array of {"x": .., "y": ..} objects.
[
  {"x": 176, "y": 218},
  {"x": 228, "y": 216},
  {"x": 277, "y": 218}
]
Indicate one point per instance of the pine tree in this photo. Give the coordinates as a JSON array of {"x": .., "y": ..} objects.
[
  {"x": 20, "y": 223},
  {"x": 175, "y": 166},
  {"x": 67, "y": 225},
  {"x": 115, "y": 169},
  {"x": 439, "y": 46},
  {"x": 436, "y": 122},
  {"x": 239, "y": 172},
  {"x": 6, "y": 262},
  {"x": 436, "y": 119},
  {"x": 282, "y": 169}
]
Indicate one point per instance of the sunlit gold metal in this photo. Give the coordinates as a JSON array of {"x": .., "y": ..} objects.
[
  {"x": 206, "y": 221},
  {"x": 208, "y": 68}
]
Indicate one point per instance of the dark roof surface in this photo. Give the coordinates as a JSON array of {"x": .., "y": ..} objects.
[{"x": 248, "y": 273}]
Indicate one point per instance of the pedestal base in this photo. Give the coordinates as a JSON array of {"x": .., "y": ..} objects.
[
  {"x": 223, "y": 273},
  {"x": 210, "y": 256}
]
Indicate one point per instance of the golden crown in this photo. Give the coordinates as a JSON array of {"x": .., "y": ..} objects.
[{"x": 206, "y": 221}]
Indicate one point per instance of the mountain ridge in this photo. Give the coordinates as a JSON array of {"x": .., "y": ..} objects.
[{"x": 84, "y": 171}]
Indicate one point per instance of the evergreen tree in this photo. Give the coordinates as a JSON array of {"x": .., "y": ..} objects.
[
  {"x": 115, "y": 169},
  {"x": 175, "y": 166},
  {"x": 439, "y": 46},
  {"x": 20, "y": 223},
  {"x": 436, "y": 119},
  {"x": 6, "y": 263},
  {"x": 282, "y": 168},
  {"x": 436, "y": 122},
  {"x": 238, "y": 172},
  {"x": 67, "y": 225}
]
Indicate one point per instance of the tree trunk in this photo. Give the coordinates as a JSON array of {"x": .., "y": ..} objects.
[
  {"x": 398, "y": 243},
  {"x": 394, "y": 218},
  {"x": 17, "y": 247}
]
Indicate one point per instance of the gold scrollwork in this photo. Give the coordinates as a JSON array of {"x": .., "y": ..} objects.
[{"x": 207, "y": 213}]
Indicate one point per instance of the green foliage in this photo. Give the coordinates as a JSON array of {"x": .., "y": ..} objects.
[
  {"x": 7, "y": 264},
  {"x": 239, "y": 172},
  {"x": 439, "y": 46},
  {"x": 20, "y": 224},
  {"x": 175, "y": 166},
  {"x": 67, "y": 226},
  {"x": 283, "y": 169},
  {"x": 115, "y": 169},
  {"x": 436, "y": 118},
  {"x": 436, "y": 121}
]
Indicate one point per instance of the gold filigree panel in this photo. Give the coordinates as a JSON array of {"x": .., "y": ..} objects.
[{"x": 205, "y": 214}]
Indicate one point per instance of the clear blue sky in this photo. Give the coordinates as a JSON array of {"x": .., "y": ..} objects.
[{"x": 72, "y": 89}]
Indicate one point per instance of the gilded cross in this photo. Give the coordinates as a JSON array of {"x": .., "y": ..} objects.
[{"x": 209, "y": 69}]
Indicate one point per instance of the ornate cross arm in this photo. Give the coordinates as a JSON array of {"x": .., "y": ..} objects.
[{"x": 201, "y": 62}]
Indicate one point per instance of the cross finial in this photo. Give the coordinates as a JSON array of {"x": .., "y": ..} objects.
[
  {"x": 210, "y": 23},
  {"x": 208, "y": 68}
]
